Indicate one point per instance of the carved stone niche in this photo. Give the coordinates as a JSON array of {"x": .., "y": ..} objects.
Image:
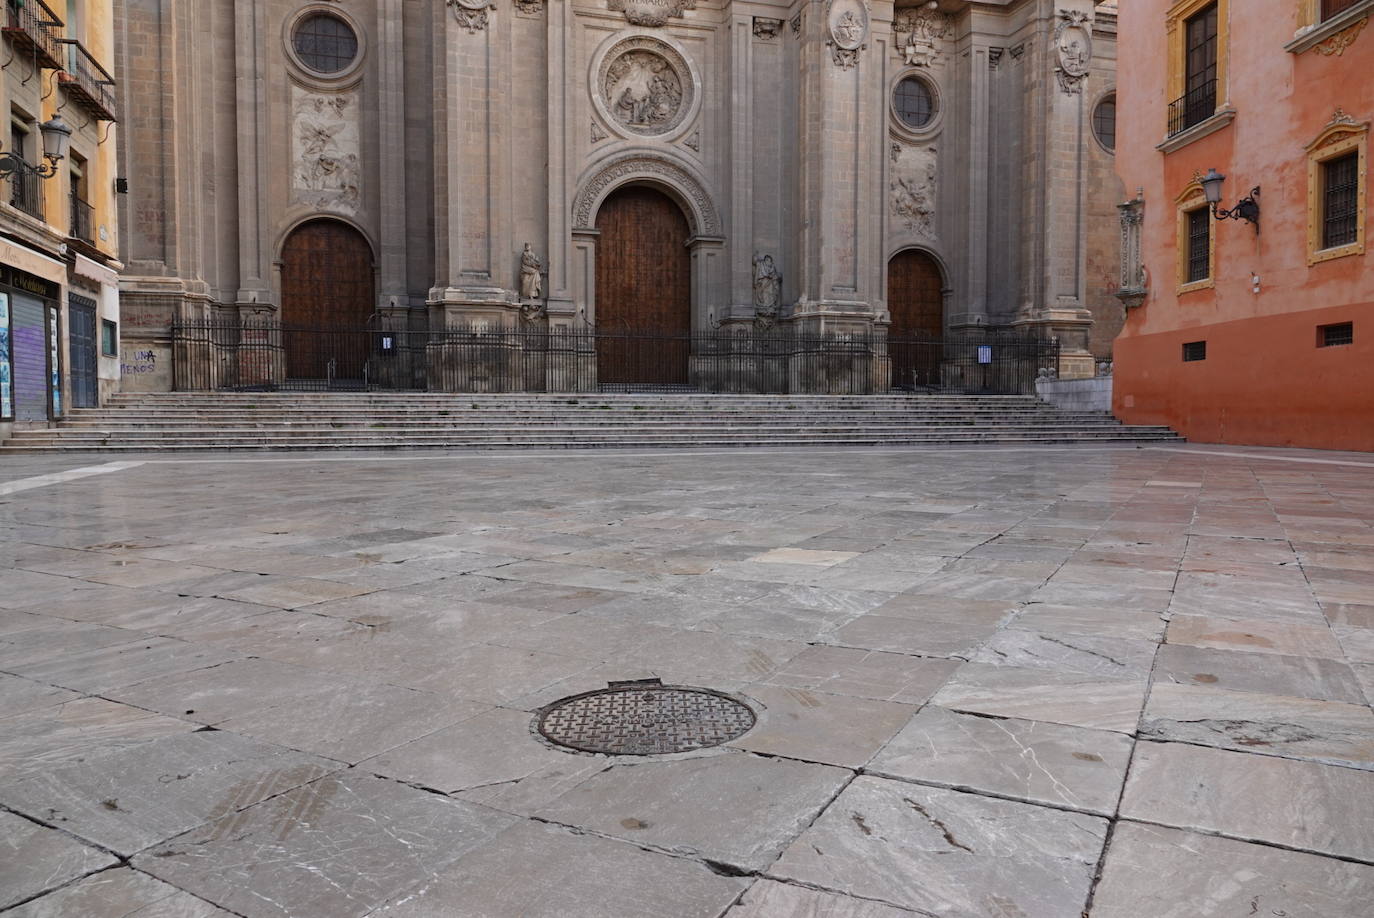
[
  {"x": 645, "y": 86},
  {"x": 650, "y": 13},
  {"x": 1134, "y": 281},
  {"x": 847, "y": 22}
]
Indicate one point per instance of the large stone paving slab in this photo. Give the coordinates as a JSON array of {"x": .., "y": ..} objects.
[
  {"x": 541, "y": 871},
  {"x": 768, "y": 898},
  {"x": 129, "y": 799},
  {"x": 864, "y": 674},
  {"x": 1061, "y": 766},
  {"x": 52, "y": 736},
  {"x": 1272, "y": 674},
  {"x": 1167, "y": 873},
  {"x": 817, "y": 727},
  {"x": 35, "y": 859},
  {"x": 336, "y": 848},
  {"x": 734, "y": 808},
  {"x": 941, "y": 852},
  {"x": 1321, "y": 808},
  {"x": 118, "y": 893},
  {"x": 1073, "y": 699}
]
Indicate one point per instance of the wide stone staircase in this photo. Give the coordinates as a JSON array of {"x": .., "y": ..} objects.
[{"x": 419, "y": 420}]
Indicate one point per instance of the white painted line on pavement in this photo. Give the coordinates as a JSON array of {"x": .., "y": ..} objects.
[{"x": 42, "y": 481}]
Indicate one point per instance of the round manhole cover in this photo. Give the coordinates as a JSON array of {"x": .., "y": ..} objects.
[{"x": 645, "y": 718}]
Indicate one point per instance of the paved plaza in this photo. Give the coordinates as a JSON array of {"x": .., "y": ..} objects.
[{"x": 996, "y": 683}]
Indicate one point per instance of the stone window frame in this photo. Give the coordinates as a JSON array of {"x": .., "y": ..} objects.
[
  {"x": 303, "y": 69},
  {"x": 1190, "y": 201},
  {"x": 1339, "y": 137},
  {"x": 1174, "y": 20},
  {"x": 1313, "y": 31},
  {"x": 900, "y": 127}
]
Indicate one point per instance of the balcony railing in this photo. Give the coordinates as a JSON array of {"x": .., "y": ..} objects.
[
  {"x": 35, "y": 29},
  {"x": 26, "y": 193},
  {"x": 87, "y": 82},
  {"x": 1193, "y": 107},
  {"x": 83, "y": 221}
]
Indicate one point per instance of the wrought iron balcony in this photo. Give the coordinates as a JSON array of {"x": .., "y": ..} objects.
[
  {"x": 35, "y": 30},
  {"x": 83, "y": 221},
  {"x": 1193, "y": 107},
  {"x": 88, "y": 83},
  {"x": 26, "y": 193}
]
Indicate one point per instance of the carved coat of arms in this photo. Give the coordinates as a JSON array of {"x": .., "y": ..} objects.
[{"x": 650, "y": 12}]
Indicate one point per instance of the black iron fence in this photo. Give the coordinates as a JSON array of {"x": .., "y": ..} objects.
[{"x": 269, "y": 356}]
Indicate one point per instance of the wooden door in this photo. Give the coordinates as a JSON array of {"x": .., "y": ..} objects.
[
  {"x": 643, "y": 289},
  {"x": 916, "y": 302},
  {"x": 327, "y": 298}
]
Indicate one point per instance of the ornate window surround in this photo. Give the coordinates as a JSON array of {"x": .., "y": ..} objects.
[
  {"x": 900, "y": 128},
  {"x": 1313, "y": 32},
  {"x": 306, "y": 74},
  {"x": 1193, "y": 198},
  {"x": 1339, "y": 137},
  {"x": 1174, "y": 19}
]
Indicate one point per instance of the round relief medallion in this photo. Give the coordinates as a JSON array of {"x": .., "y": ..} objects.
[{"x": 645, "y": 86}]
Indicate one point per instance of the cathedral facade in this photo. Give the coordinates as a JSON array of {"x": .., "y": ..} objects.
[{"x": 827, "y": 166}]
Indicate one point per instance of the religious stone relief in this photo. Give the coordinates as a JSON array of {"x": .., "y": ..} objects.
[
  {"x": 1073, "y": 44},
  {"x": 766, "y": 29},
  {"x": 598, "y": 135},
  {"x": 913, "y": 188},
  {"x": 703, "y": 215},
  {"x": 848, "y": 20},
  {"x": 650, "y": 12},
  {"x": 325, "y": 150},
  {"x": 919, "y": 34},
  {"x": 767, "y": 291},
  {"x": 471, "y": 14},
  {"x": 645, "y": 86}
]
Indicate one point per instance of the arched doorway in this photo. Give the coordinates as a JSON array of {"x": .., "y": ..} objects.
[
  {"x": 326, "y": 300},
  {"x": 916, "y": 303},
  {"x": 643, "y": 289}
]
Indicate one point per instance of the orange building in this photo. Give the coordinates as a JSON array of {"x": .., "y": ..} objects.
[{"x": 1251, "y": 319}]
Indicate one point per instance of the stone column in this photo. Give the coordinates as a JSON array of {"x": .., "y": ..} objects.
[
  {"x": 562, "y": 303},
  {"x": 252, "y": 32},
  {"x": 392, "y": 289}
]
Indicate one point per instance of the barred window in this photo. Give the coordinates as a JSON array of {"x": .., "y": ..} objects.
[
  {"x": 1340, "y": 193},
  {"x": 1194, "y": 350},
  {"x": 1199, "y": 245},
  {"x": 914, "y": 102},
  {"x": 325, "y": 43}
]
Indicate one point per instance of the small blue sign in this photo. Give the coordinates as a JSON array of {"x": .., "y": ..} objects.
[{"x": 985, "y": 353}]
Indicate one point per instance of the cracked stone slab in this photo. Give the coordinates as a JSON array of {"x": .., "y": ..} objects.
[
  {"x": 294, "y": 593},
  {"x": 770, "y": 899},
  {"x": 1074, "y": 653},
  {"x": 563, "y": 875},
  {"x": 118, "y": 893},
  {"x": 1271, "y": 674},
  {"x": 1219, "y": 876},
  {"x": 129, "y": 799},
  {"x": 1104, "y": 622},
  {"x": 52, "y": 736},
  {"x": 19, "y": 695},
  {"x": 1306, "y": 805},
  {"x": 941, "y": 852},
  {"x": 934, "y": 638},
  {"x": 1072, "y": 699},
  {"x": 816, "y": 727},
  {"x": 1326, "y": 731},
  {"x": 864, "y": 674},
  {"x": 35, "y": 859},
  {"x": 806, "y": 556},
  {"x": 336, "y": 848},
  {"x": 106, "y": 668},
  {"x": 1254, "y": 636},
  {"x": 730, "y": 807},
  {"x": 1037, "y": 762}
]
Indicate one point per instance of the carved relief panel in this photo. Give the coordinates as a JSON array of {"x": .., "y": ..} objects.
[
  {"x": 913, "y": 188},
  {"x": 921, "y": 35},
  {"x": 848, "y": 25},
  {"x": 644, "y": 87},
  {"x": 325, "y": 150},
  {"x": 650, "y": 13}
]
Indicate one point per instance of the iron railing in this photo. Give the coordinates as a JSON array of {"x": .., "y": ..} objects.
[
  {"x": 26, "y": 193},
  {"x": 267, "y": 355},
  {"x": 83, "y": 221},
  {"x": 35, "y": 30},
  {"x": 87, "y": 82},
  {"x": 1193, "y": 107}
]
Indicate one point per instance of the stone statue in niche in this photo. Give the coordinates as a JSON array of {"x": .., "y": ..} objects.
[
  {"x": 642, "y": 89},
  {"x": 531, "y": 280},
  {"x": 767, "y": 290},
  {"x": 913, "y": 189},
  {"x": 924, "y": 28},
  {"x": 1073, "y": 44},
  {"x": 326, "y": 151}
]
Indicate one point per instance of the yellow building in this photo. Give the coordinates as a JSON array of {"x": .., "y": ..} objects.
[{"x": 59, "y": 292}]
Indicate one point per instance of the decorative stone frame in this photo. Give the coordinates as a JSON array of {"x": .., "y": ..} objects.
[
  {"x": 1178, "y": 14},
  {"x": 900, "y": 129},
  {"x": 1192, "y": 199},
  {"x": 308, "y": 75},
  {"x": 678, "y": 58},
  {"x": 1339, "y": 137},
  {"x": 1334, "y": 35},
  {"x": 1092, "y": 120}
]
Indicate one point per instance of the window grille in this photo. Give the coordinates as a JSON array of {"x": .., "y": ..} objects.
[
  {"x": 325, "y": 43},
  {"x": 1194, "y": 350},
  {"x": 1199, "y": 245},
  {"x": 1340, "y": 205},
  {"x": 1336, "y": 335}
]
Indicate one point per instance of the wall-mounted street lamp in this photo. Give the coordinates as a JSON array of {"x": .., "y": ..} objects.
[
  {"x": 57, "y": 137},
  {"x": 1247, "y": 208}
]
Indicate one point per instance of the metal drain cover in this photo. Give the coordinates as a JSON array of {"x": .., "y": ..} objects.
[{"x": 645, "y": 718}]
